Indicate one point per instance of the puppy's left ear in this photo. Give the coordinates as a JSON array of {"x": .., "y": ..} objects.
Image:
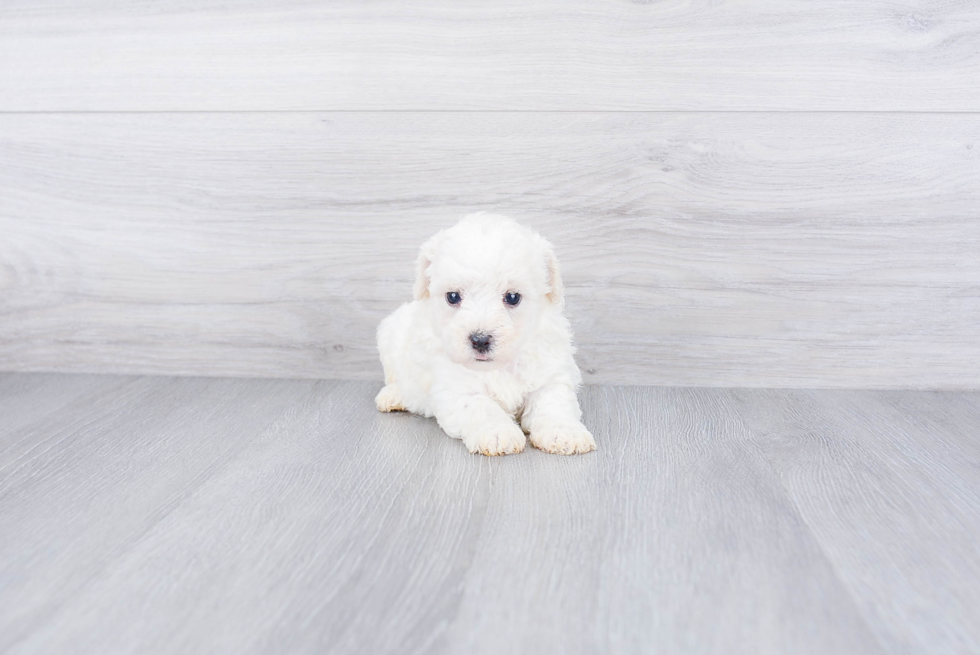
[{"x": 556, "y": 288}]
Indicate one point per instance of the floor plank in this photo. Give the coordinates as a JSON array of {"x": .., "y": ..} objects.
[
  {"x": 673, "y": 537},
  {"x": 338, "y": 530},
  {"x": 169, "y": 515},
  {"x": 889, "y": 483},
  {"x": 88, "y": 480},
  {"x": 27, "y": 399},
  {"x": 98, "y": 55}
]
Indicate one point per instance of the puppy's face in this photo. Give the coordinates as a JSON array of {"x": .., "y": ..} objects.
[{"x": 486, "y": 281}]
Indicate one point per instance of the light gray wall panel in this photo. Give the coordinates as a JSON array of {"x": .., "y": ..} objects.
[
  {"x": 699, "y": 248},
  {"x": 445, "y": 54}
]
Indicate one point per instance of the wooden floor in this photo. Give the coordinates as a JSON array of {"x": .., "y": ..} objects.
[{"x": 195, "y": 515}]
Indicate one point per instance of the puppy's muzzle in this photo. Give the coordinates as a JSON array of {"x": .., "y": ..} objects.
[{"x": 481, "y": 342}]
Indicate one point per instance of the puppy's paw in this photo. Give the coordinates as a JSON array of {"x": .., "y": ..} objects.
[
  {"x": 504, "y": 438},
  {"x": 562, "y": 438},
  {"x": 389, "y": 399}
]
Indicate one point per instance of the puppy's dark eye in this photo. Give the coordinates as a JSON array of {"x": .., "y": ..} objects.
[
  {"x": 512, "y": 298},
  {"x": 453, "y": 298}
]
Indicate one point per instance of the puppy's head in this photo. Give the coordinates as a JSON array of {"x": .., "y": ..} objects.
[{"x": 487, "y": 280}]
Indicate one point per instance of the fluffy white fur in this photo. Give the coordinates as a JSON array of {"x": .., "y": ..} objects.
[{"x": 528, "y": 374}]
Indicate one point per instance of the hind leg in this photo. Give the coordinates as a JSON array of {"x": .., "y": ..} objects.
[{"x": 389, "y": 399}]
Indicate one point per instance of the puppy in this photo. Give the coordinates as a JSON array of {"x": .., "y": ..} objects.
[{"x": 485, "y": 342}]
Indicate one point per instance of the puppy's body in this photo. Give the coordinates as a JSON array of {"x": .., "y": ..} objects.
[
  {"x": 409, "y": 331},
  {"x": 466, "y": 353}
]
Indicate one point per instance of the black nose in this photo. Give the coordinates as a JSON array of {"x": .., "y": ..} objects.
[{"x": 480, "y": 341}]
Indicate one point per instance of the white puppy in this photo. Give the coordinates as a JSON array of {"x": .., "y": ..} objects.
[{"x": 485, "y": 342}]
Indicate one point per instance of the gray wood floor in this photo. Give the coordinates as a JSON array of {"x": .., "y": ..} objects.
[{"x": 153, "y": 514}]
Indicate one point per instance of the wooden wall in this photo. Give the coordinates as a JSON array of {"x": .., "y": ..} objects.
[{"x": 749, "y": 193}]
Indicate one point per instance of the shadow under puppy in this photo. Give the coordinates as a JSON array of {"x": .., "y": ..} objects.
[{"x": 485, "y": 342}]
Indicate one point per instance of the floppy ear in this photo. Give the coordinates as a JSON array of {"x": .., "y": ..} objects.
[
  {"x": 422, "y": 264},
  {"x": 556, "y": 288}
]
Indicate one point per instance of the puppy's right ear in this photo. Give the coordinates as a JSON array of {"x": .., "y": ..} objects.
[{"x": 422, "y": 273}]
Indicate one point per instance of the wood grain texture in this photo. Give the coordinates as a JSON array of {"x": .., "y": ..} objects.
[
  {"x": 99, "y": 55},
  {"x": 633, "y": 550},
  {"x": 24, "y": 400},
  {"x": 286, "y": 516},
  {"x": 733, "y": 249},
  {"x": 889, "y": 485},
  {"x": 85, "y": 481}
]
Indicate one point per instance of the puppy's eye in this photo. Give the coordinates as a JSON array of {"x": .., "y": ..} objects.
[
  {"x": 453, "y": 298},
  {"x": 512, "y": 298}
]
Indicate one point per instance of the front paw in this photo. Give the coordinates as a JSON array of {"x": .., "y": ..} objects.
[
  {"x": 389, "y": 399},
  {"x": 562, "y": 438},
  {"x": 503, "y": 438}
]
